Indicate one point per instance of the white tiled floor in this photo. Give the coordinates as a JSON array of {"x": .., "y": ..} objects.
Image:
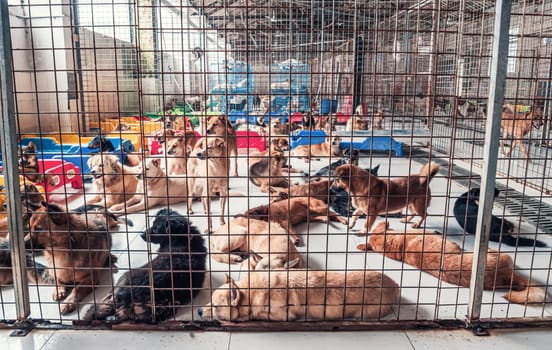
[
  {"x": 324, "y": 247},
  {"x": 529, "y": 339}
]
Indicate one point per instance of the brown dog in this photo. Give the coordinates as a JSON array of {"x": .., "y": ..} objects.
[
  {"x": 289, "y": 295},
  {"x": 177, "y": 150},
  {"x": 221, "y": 127},
  {"x": 113, "y": 182},
  {"x": 517, "y": 126},
  {"x": 243, "y": 236},
  {"x": 268, "y": 172},
  {"x": 208, "y": 176},
  {"x": 77, "y": 251},
  {"x": 373, "y": 196},
  {"x": 157, "y": 189},
  {"x": 445, "y": 260},
  {"x": 277, "y": 144},
  {"x": 326, "y": 149},
  {"x": 314, "y": 189},
  {"x": 293, "y": 212}
]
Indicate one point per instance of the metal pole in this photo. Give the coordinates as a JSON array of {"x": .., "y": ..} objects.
[
  {"x": 499, "y": 64},
  {"x": 11, "y": 176}
]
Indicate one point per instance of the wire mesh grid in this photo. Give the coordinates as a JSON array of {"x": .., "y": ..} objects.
[{"x": 179, "y": 162}]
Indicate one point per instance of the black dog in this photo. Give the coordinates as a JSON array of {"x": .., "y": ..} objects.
[
  {"x": 465, "y": 212},
  {"x": 101, "y": 143},
  {"x": 178, "y": 273},
  {"x": 349, "y": 157}
]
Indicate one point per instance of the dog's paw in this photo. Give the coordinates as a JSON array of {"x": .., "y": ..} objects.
[
  {"x": 416, "y": 225},
  {"x": 59, "y": 294},
  {"x": 68, "y": 308}
]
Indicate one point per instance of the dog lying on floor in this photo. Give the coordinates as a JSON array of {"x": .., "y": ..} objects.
[
  {"x": 77, "y": 252},
  {"x": 327, "y": 149},
  {"x": 113, "y": 183},
  {"x": 178, "y": 273},
  {"x": 446, "y": 261},
  {"x": 157, "y": 189},
  {"x": 465, "y": 211},
  {"x": 372, "y": 196},
  {"x": 258, "y": 239},
  {"x": 289, "y": 295},
  {"x": 103, "y": 144},
  {"x": 293, "y": 212},
  {"x": 268, "y": 172},
  {"x": 36, "y": 272},
  {"x": 349, "y": 157}
]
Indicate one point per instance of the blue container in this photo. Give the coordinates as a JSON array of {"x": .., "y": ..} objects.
[{"x": 328, "y": 106}]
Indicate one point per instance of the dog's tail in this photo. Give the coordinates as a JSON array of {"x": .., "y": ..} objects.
[
  {"x": 520, "y": 241},
  {"x": 235, "y": 194},
  {"x": 525, "y": 291},
  {"x": 428, "y": 172}
]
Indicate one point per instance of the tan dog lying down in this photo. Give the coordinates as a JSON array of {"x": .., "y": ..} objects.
[
  {"x": 242, "y": 236},
  {"x": 445, "y": 260},
  {"x": 289, "y": 295},
  {"x": 327, "y": 149}
]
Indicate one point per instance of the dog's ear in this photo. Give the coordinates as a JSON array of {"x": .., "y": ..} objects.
[
  {"x": 292, "y": 263},
  {"x": 156, "y": 162},
  {"x": 343, "y": 172},
  {"x": 234, "y": 294},
  {"x": 381, "y": 227},
  {"x": 219, "y": 142},
  {"x": 31, "y": 147},
  {"x": 375, "y": 170},
  {"x": 57, "y": 215}
]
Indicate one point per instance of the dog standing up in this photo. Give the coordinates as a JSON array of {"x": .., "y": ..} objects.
[
  {"x": 445, "y": 260},
  {"x": 518, "y": 126},
  {"x": 289, "y": 295},
  {"x": 465, "y": 211},
  {"x": 178, "y": 273},
  {"x": 372, "y": 196},
  {"x": 156, "y": 189},
  {"x": 77, "y": 251},
  {"x": 113, "y": 182},
  {"x": 208, "y": 176},
  {"x": 246, "y": 237},
  {"x": 327, "y": 149},
  {"x": 293, "y": 212},
  {"x": 221, "y": 127}
]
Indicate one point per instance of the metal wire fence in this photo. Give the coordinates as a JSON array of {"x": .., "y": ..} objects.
[{"x": 183, "y": 164}]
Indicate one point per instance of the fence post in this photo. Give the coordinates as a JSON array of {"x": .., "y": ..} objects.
[
  {"x": 499, "y": 63},
  {"x": 11, "y": 175}
]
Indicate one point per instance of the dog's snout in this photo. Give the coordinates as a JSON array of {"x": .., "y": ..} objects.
[
  {"x": 144, "y": 235},
  {"x": 200, "y": 312}
]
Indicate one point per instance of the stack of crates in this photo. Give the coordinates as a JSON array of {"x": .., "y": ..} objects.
[
  {"x": 292, "y": 96},
  {"x": 230, "y": 86}
]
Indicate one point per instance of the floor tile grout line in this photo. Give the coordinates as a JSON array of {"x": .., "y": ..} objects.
[
  {"x": 52, "y": 334},
  {"x": 409, "y": 340}
]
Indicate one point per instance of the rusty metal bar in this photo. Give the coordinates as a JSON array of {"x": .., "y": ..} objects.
[
  {"x": 11, "y": 176},
  {"x": 499, "y": 64}
]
